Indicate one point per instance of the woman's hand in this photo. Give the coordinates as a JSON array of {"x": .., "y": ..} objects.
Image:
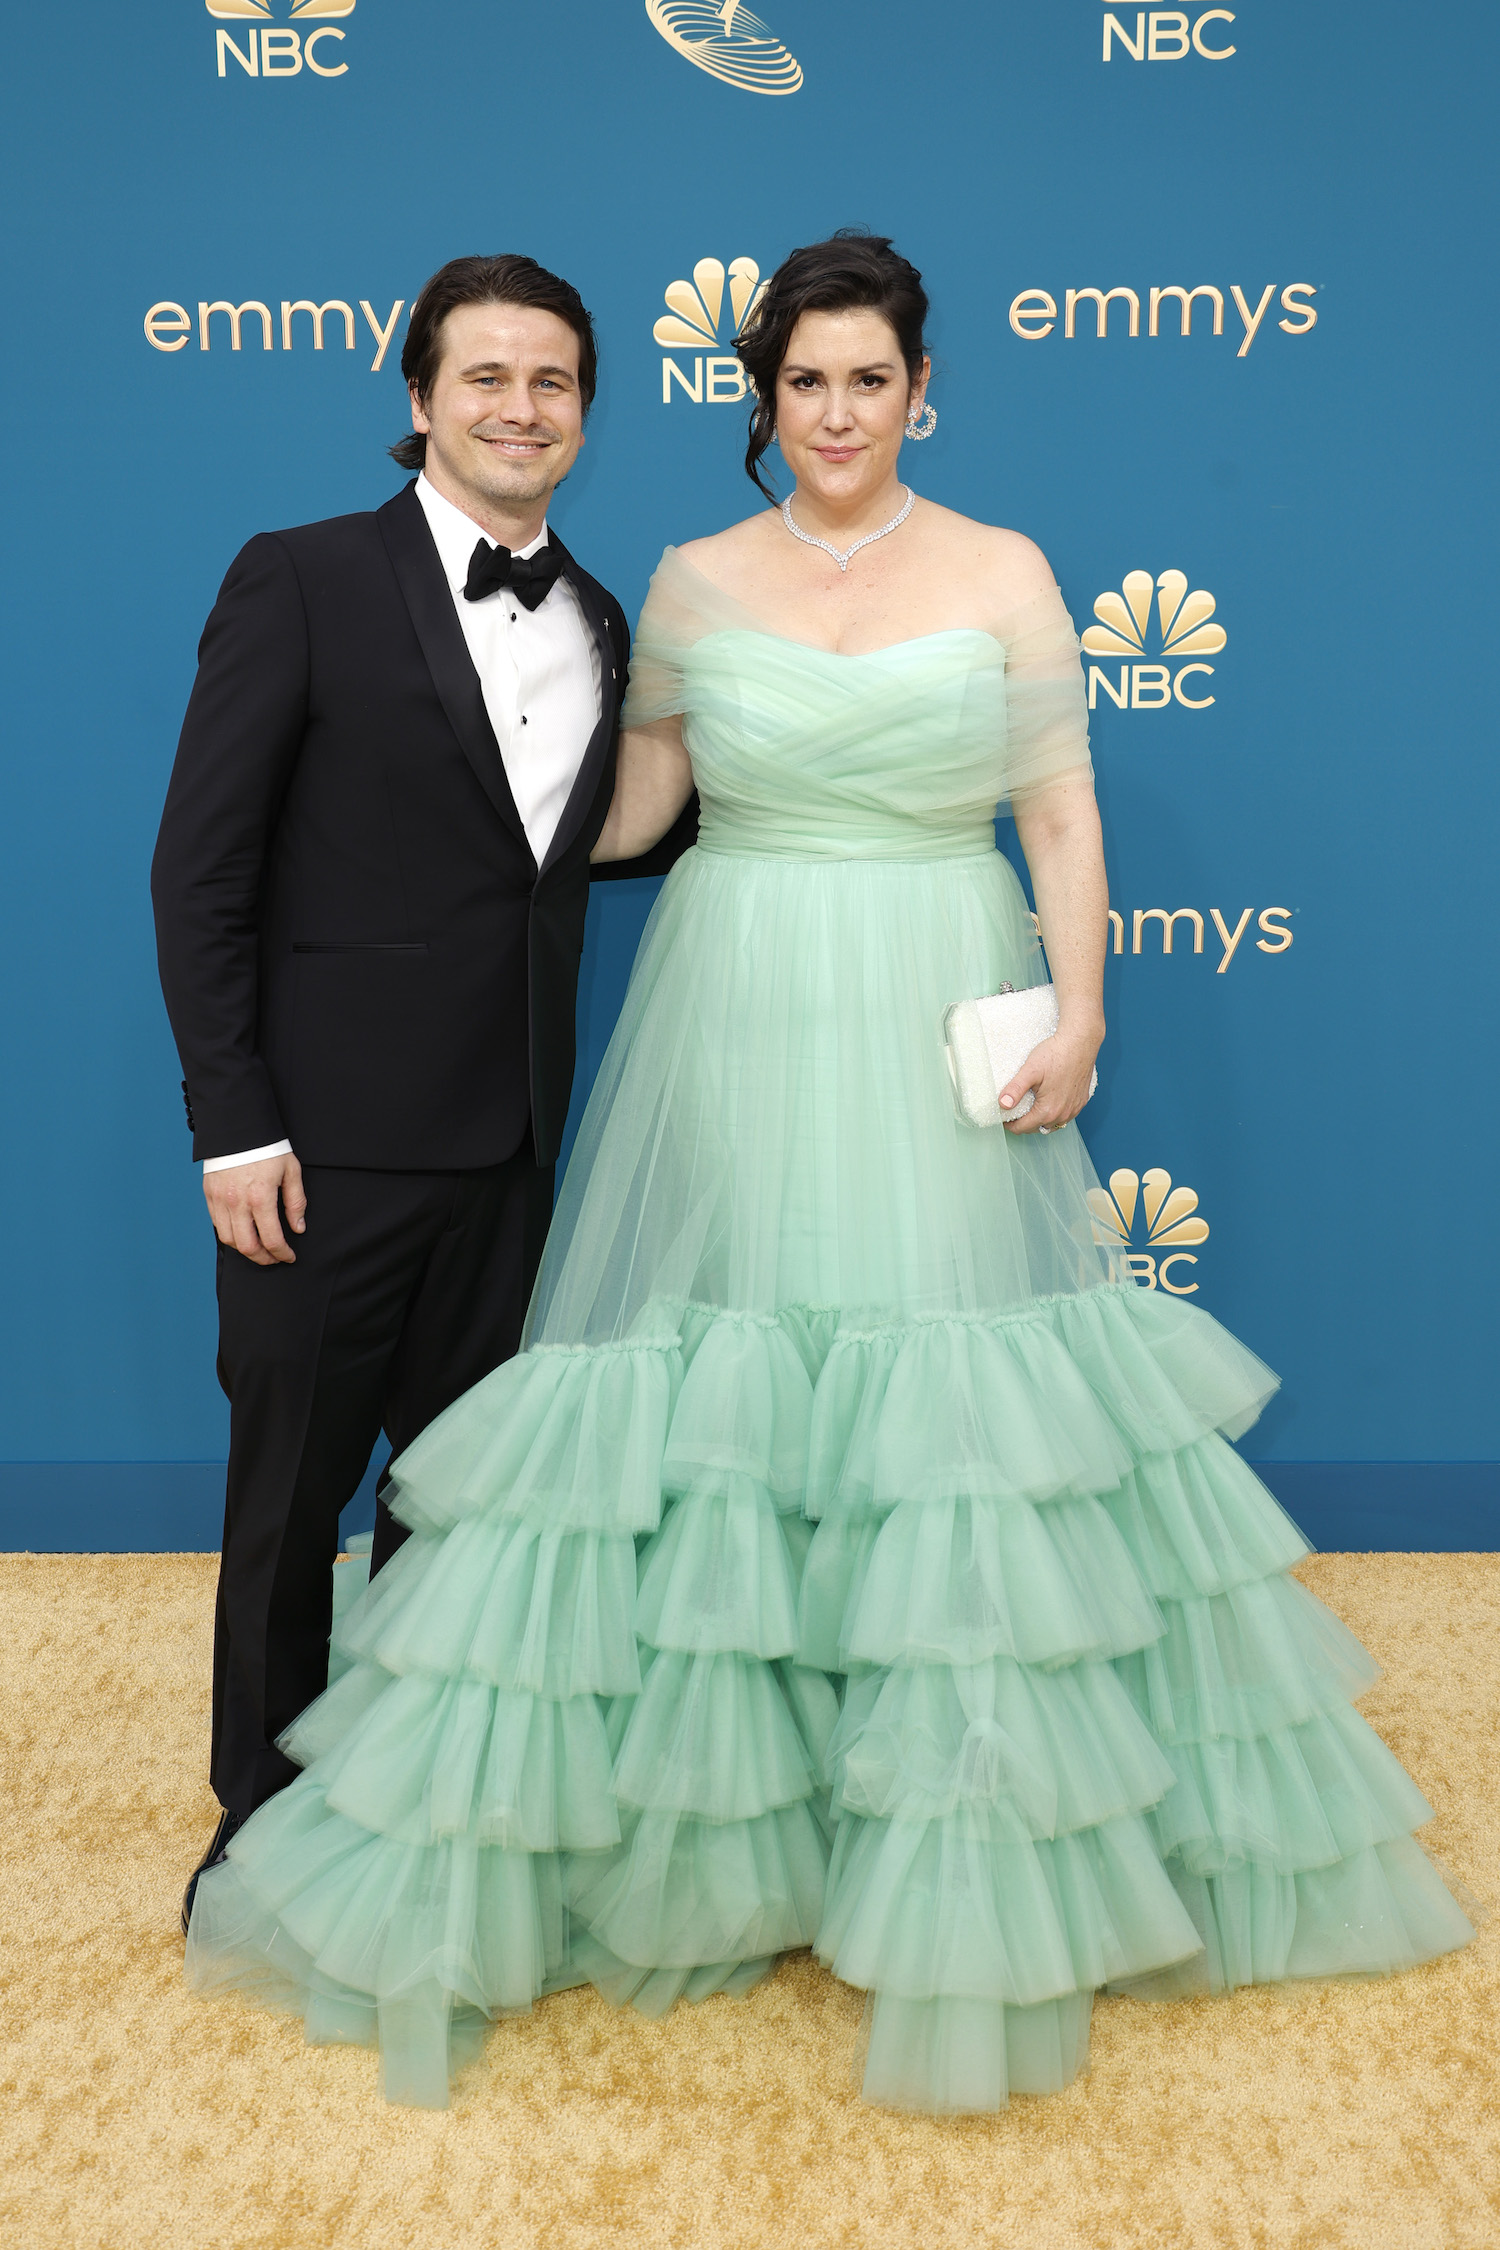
[{"x": 1058, "y": 1071}]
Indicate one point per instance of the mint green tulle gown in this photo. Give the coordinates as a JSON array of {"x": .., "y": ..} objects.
[{"x": 853, "y": 1557}]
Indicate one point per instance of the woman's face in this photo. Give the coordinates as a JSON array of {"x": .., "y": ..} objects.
[{"x": 842, "y": 396}]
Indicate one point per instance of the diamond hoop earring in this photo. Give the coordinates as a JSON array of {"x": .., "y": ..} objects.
[{"x": 921, "y": 427}]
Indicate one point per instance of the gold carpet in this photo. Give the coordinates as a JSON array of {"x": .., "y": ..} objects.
[{"x": 1360, "y": 2115}]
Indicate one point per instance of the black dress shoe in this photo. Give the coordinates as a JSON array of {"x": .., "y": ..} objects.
[{"x": 229, "y": 1825}]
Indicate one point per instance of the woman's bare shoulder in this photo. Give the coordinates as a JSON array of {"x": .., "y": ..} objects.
[
  {"x": 724, "y": 556},
  {"x": 1011, "y": 567}
]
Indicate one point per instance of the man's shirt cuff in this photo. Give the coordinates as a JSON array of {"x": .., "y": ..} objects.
[{"x": 246, "y": 1156}]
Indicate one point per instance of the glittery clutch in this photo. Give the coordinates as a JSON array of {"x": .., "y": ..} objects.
[{"x": 987, "y": 1042}]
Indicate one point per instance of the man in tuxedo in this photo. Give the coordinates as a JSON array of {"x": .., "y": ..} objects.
[{"x": 370, "y": 886}]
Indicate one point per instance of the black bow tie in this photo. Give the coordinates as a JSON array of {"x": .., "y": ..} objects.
[{"x": 530, "y": 578}]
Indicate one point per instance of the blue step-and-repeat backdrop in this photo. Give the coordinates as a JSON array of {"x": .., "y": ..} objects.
[{"x": 1211, "y": 323}]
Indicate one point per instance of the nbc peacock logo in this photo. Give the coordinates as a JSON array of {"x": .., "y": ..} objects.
[
  {"x": 1124, "y": 629},
  {"x": 273, "y": 50},
  {"x": 1170, "y": 1224},
  {"x": 694, "y": 318},
  {"x": 724, "y": 39}
]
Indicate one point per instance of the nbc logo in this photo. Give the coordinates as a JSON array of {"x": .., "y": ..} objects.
[
  {"x": 692, "y": 319},
  {"x": 278, "y": 51},
  {"x": 1124, "y": 621},
  {"x": 1167, "y": 35},
  {"x": 728, "y": 42},
  {"x": 1170, "y": 1224}
]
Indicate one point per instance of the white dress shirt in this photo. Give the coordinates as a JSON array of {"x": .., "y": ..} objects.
[{"x": 540, "y": 670}]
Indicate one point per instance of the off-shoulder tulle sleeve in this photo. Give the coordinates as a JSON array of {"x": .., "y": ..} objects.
[
  {"x": 1046, "y": 710},
  {"x": 680, "y": 607},
  {"x": 1047, "y": 717}
]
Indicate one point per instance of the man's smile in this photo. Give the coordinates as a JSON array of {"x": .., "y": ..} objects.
[{"x": 522, "y": 448}]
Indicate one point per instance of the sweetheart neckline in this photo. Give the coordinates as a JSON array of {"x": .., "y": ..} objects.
[
  {"x": 857, "y": 655},
  {"x": 763, "y": 631}
]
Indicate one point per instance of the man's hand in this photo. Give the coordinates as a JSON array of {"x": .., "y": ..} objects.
[{"x": 242, "y": 1202}]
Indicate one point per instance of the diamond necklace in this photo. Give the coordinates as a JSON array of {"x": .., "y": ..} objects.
[{"x": 843, "y": 560}]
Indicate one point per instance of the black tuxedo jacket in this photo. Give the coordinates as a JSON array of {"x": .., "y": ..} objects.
[{"x": 358, "y": 950}]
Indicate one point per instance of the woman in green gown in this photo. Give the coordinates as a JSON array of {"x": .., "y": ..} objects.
[{"x": 853, "y": 1557}]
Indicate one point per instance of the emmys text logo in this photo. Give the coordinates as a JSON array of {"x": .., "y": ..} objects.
[
  {"x": 724, "y": 39},
  {"x": 1169, "y": 1225},
  {"x": 1034, "y": 314},
  {"x": 1168, "y": 35},
  {"x": 1275, "y": 921},
  {"x": 272, "y": 50},
  {"x": 170, "y": 327},
  {"x": 1124, "y": 629},
  {"x": 694, "y": 318}
]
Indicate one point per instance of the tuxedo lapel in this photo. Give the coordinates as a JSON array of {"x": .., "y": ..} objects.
[
  {"x": 414, "y": 558},
  {"x": 586, "y": 784}
]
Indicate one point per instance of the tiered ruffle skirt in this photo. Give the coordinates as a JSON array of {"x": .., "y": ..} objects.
[{"x": 1090, "y": 1733}]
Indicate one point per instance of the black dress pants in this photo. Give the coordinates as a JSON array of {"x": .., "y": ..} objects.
[{"x": 408, "y": 1288}]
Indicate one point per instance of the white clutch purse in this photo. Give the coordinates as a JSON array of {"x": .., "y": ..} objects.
[{"x": 987, "y": 1042}]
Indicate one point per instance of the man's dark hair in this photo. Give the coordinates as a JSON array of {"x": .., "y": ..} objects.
[{"x": 504, "y": 280}]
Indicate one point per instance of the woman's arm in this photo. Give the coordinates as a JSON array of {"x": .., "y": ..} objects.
[
  {"x": 653, "y": 781},
  {"x": 1059, "y": 830}
]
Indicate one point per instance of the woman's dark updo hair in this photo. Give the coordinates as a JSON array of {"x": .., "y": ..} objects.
[{"x": 852, "y": 272}]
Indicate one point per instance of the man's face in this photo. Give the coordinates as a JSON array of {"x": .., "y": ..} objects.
[{"x": 504, "y": 418}]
